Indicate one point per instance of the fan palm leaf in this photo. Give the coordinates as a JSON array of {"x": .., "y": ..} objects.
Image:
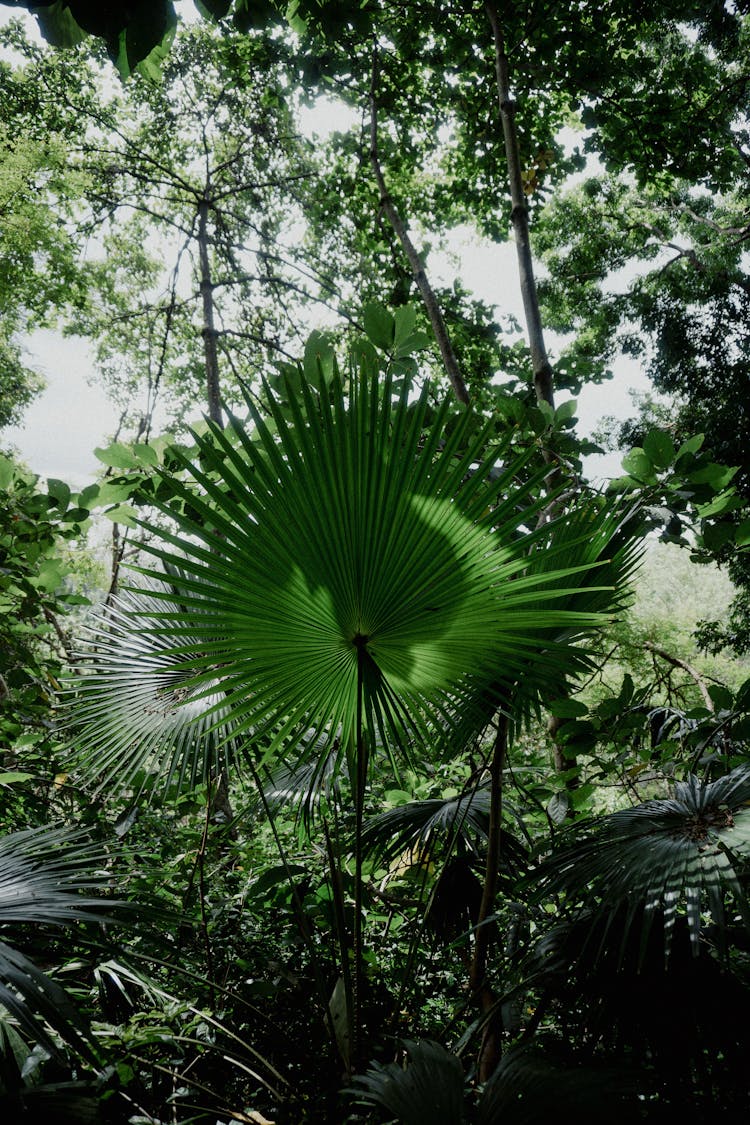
[
  {"x": 526, "y": 1088},
  {"x": 655, "y": 858},
  {"x": 133, "y": 687},
  {"x": 428, "y": 1088},
  {"x": 351, "y": 564},
  {"x": 419, "y": 827},
  {"x": 47, "y": 876}
]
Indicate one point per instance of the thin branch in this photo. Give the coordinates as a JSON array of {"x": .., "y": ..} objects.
[
  {"x": 415, "y": 261},
  {"x": 694, "y": 674}
]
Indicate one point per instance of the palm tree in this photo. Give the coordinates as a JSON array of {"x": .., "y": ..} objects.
[
  {"x": 645, "y": 960},
  {"x": 354, "y": 574}
]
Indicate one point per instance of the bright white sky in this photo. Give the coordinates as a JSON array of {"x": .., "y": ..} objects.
[{"x": 73, "y": 415}]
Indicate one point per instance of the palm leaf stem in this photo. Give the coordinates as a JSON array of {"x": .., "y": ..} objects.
[
  {"x": 359, "y": 799},
  {"x": 302, "y": 916},
  {"x": 339, "y": 922}
]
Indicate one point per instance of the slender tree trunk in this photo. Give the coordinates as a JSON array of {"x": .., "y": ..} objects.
[
  {"x": 213, "y": 393},
  {"x": 543, "y": 384},
  {"x": 415, "y": 260},
  {"x": 359, "y": 808},
  {"x": 489, "y": 1053}
]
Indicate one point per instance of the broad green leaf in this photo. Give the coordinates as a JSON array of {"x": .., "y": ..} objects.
[
  {"x": 717, "y": 535},
  {"x": 638, "y": 464},
  {"x": 319, "y": 356},
  {"x": 691, "y": 445},
  {"x": 213, "y": 9},
  {"x": 404, "y": 320},
  {"x": 51, "y": 574},
  {"x": 124, "y": 514},
  {"x": 725, "y": 502},
  {"x": 568, "y": 708},
  {"x": 721, "y": 696},
  {"x": 566, "y": 410},
  {"x": 13, "y": 777},
  {"x": 113, "y": 492},
  {"x": 379, "y": 325},
  {"x": 7, "y": 469},
  {"x": 718, "y": 476},
  {"x": 146, "y": 453},
  {"x": 742, "y": 534},
  {"x": 118, "y": 456},
  {"x": 416, "y": 342},
  {"x": 58, "y": 26},
  {"x": 60, "y": 491},
  {"x": 88, "y": 496},
  {"x": 75, "y": 515},
  {"x": 558, "y": 806},
  {"x": 659, "y": 448}
]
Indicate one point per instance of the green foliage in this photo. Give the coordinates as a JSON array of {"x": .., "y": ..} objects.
[
  {"x": 34, "y": 526},
  {"x": 400, "y": 583},
  {"x": 652, "y": 858}
]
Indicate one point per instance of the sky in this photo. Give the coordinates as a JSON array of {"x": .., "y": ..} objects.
[{"x": 72, "y": 416}]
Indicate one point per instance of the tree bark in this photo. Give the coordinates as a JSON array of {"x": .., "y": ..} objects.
[
  {"x": 431, "y": 304},
  {"x": 543, "y": 382},
  {"x": 210, "y": 335}
]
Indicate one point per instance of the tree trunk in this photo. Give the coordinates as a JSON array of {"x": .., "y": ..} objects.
[
  {"x": 543, "y": 384},
  {"x": 213, "y": 393}
]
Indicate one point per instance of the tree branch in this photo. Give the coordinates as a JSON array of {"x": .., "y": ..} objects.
[
  {"x": 415, "y": 261},
  {"x": 694, "y": 674}
]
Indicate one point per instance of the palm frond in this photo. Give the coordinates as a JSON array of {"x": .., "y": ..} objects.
[
  {"x": 687, "y": 852},
  {"x": 131, "y": 698},
  {"x": 529, "y": 1087},
  {"x": 421, "y": 827},
  {"x": 428, "y": 1088},
  {"x": 45, "y": 875},
  {"x": 43, "y": 872},
  {"x": 628, "y": 998},
  {"x": 348, "y": 551}
]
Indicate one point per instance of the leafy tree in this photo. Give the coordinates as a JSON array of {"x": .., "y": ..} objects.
[
  {"x": 35, "y": 526},
  {"x": 206, "y": 163},
  {"x": 39, "y": 259}
]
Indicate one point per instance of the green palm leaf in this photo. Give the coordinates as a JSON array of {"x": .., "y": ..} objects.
[
  {"x": 45, "y": 875},
  {"x": 421, "y": 827},
  {"x": 427, "y": 1090},
  {"x": 132, "y": 700},
  {"x": 351, "y": 563},
  {"x": 686, "y": 852},
  {"x": 529, "y": 1087}
]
